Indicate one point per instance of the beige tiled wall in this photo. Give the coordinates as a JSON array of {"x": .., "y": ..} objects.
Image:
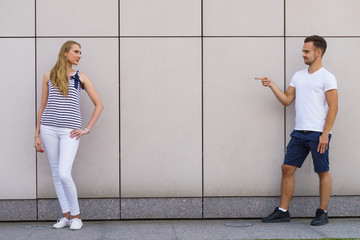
[
  {"x": 243, "y": 18},
  {"x": 77, "y": 18},
  {"x": 161, "y": 117},
  {"x": 183, "y": 115},
  {"x": 323, "y": 17},
  {"x": 242, "y": 143},
  {"x": 17, "y": 18},
  {"x": 17, "y": 97},
  {"x": 160, "y": 18}
]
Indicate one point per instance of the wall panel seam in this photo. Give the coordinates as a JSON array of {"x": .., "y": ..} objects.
[
  {"x": 36, "y": 93},
  {"x": 119, "y": 90}
]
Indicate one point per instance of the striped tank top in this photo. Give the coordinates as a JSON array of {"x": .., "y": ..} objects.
[{"x": 61, "y": 111}]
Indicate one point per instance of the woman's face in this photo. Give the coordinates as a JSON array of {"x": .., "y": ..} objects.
[{"x": 74, "y": 55}]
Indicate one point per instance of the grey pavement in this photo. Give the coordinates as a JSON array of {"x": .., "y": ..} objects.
[{"x": 183, "y": 229}]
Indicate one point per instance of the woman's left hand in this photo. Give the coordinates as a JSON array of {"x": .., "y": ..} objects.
[{"x": 78, "y": 133}]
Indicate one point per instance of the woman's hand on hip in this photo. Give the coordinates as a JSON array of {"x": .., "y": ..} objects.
[{"x": 78, "y": 133}]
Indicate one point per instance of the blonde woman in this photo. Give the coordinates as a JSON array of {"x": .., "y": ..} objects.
[{"x": 59, "y": 126}]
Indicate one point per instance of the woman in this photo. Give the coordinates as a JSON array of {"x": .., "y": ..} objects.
[{"x": 59, "y": 125}]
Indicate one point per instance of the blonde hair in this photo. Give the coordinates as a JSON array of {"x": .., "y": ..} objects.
[{"x": 58, "y": 74}]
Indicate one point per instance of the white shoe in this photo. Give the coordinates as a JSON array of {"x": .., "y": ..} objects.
[
  {"x": 61, "y": 223},
  {"x": 76, "y": 224}
]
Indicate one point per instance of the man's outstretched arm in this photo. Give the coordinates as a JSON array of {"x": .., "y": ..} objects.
[{"x": 286, "y": 98}]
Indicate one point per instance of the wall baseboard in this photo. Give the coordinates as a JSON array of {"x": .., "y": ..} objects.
[{"x": 175, "y": 208}]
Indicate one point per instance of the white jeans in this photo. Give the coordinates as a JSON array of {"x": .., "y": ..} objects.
[{"x": 61, "y": 151}]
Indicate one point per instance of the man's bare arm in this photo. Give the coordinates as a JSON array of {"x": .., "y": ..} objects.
[
  {"x": 332, "y": 101},
  {"x": 286, "y": 98}
]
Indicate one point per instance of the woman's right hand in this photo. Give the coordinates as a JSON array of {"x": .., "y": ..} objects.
[{"x": 38, "y": 145}]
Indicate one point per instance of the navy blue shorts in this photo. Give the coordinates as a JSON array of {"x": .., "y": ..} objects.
[{"x": 301, "y": 143}]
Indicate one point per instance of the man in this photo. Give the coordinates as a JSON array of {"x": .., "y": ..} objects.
[{"x": 316, "y": 103}]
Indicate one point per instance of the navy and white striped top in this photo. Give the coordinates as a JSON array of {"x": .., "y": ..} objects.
[{"x": 63, "y": 111}]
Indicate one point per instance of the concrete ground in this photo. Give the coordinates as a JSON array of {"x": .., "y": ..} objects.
[{"x": 183, "y": 229}]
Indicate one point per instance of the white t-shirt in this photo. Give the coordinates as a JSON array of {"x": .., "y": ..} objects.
[{"x": 310, "y": 102}]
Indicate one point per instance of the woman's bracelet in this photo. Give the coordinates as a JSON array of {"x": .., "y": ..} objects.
[{"x": 86, "y": 129}]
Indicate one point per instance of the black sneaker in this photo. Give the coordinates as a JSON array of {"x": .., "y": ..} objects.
[
  {"x": 277, "y": 216},
  {"x": 320, "y": 218}
]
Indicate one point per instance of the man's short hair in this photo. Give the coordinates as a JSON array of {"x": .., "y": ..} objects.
[{"x": 319, "y": 42}]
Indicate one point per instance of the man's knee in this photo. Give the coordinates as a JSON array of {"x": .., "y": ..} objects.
[
  {"x": 288, "y": 169},
  {"x": 325, "y": 174}
]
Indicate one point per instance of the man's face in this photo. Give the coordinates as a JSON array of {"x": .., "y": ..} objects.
[{"x": 310, "y": 53}]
